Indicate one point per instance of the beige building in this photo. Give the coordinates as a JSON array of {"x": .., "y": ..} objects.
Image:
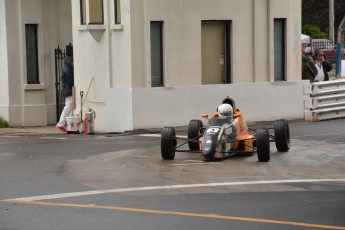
[
  {"x": 155, "y": 62},
  {"x": 30, "y": 30}
]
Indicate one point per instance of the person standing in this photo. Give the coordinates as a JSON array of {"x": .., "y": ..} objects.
[
  {"x": 67, "y": 79},
  {"x": 309, "y": 70},
  {"x": 322, "y": 66}
]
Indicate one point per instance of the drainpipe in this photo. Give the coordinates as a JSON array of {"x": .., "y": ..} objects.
[{"x": 339, "y": 49}]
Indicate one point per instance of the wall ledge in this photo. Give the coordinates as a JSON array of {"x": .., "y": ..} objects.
[
  {"x": 92, "y": 27},
  {"x": 31, "y": 87},
  {"x": 117, "y": 27}
]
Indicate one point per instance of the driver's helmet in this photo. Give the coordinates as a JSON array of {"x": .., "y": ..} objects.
[{"x": 225, "y": 110}]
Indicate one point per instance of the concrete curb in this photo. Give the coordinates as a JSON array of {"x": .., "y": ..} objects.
[{"x": 52, "y": 130}]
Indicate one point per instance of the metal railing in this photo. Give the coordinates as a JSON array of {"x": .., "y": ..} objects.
[
  {"x": 327, "y": 47},
  {"x": 59, "y": 63},
  {"x": 327, "y": 100}
]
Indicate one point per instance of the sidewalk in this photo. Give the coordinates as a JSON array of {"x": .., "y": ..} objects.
[
  {"x": 45, "y": 130},
  {"x": 52, "y": 130}
]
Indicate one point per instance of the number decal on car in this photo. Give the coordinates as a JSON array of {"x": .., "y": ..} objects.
[{"x": 213, "y": 130}]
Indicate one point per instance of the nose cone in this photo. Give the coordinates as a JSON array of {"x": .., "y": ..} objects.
[{"x": 209, "y": 145}]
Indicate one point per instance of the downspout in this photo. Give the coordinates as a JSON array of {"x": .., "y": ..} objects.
[
  {"x": 339, "y": 49},
  {"x": 110, "y": 48}
]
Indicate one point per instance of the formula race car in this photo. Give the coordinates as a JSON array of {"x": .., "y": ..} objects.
[{"x": 226, "y": 134}]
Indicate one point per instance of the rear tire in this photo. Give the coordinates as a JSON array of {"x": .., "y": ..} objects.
[
  {"x": 282, "y": 135},
  {"x": 168, "y": 143},
  {"x": 195, "y": 130},
  {"x": 263, "y": 145}
]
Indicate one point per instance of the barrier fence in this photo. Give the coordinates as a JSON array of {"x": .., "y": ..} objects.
[{"x": 327, "y": 100}]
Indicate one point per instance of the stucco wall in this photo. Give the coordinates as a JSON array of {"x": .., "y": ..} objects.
[
  {"x": 124, "y": 53},
  {"x": 291, "y": 10},
  {"x": 34, "y": 104},
  {"x": 137, "y": 108},
  {"x": 118, "y": 56},
  {"x": 13, "y": 68},
  {"x": 182, "y": 37},
  {"x": 57, "y": 27},
  {"x": 251, "y": 38},
  {"x": 4, "y": 99}
]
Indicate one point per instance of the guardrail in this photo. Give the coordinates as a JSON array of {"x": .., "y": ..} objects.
[{"x": 327, "y": 100}]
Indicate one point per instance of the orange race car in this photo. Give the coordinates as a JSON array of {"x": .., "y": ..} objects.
[{"x": 226, "y": 134}]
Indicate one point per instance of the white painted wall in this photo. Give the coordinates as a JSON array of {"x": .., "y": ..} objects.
[{"x": 140, "y": 108}]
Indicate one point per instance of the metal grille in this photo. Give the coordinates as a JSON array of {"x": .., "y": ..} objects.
[{"x": 59, "y": 63}]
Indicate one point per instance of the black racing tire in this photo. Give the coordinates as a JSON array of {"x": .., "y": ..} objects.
[
  {"x": 263, "y": 145},
  {"x": 168, "y": 143},
  {"x": 195, "y": 129},
  {"x": 282, "y": 135}
]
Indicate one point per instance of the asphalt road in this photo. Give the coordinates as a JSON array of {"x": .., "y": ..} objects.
[{"x": 121, "y": 182}]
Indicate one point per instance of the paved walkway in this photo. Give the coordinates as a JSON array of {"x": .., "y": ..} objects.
[{"x": 45, "y": 130}]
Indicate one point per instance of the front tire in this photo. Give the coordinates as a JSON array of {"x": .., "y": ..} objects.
[
  {"x": 168, "y": 143},
  {"x": 195, "y": 130},
  {"x": 282, "y": 135},
  {"x": 263, "y": 145}
]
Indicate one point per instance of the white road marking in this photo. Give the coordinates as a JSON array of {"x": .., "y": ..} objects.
[
  {"x": 6, "y": 156},
  {"x": 159, "y": 135},
  {"x": 149, "y": 135},
  {"x": 136, "y": 189},
  {"x": 55, "y": 138},
  {"x": 205, "y": 163}
]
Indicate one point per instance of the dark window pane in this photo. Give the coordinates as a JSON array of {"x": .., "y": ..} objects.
[
  {"x": 117, "y": 12},
  {"x": 83, "y": 12},
  {"x": 279, "y": 49},
  {"x": 31, "y": 54},
  {"x": 156, "y": 54}
]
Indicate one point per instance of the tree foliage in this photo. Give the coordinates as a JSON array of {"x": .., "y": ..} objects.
[
  {"x": 313, "y": 31},
  {"x": 316, "y": 12}
]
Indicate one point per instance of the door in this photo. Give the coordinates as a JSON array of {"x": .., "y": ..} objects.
[{"x": 215, "y": 52}]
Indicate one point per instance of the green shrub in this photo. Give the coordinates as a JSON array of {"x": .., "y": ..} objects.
[
  {"x": 313, "y": 31},
  {"x": 3, "y": 123}
]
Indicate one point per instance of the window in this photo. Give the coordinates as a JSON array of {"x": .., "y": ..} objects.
[
  {"x": 279, "y": 50},
  {"x": 31, "y": 54},
  {"x": 91, "y": 12},
  {"x": 96, "y": 11},
  {"x": 83, "y": 12},
  {"x": 117, "y": 11},
  {"x": 156, "y": 54}
]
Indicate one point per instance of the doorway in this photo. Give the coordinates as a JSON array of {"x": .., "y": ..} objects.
[{"x": 215, "y": 51}]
